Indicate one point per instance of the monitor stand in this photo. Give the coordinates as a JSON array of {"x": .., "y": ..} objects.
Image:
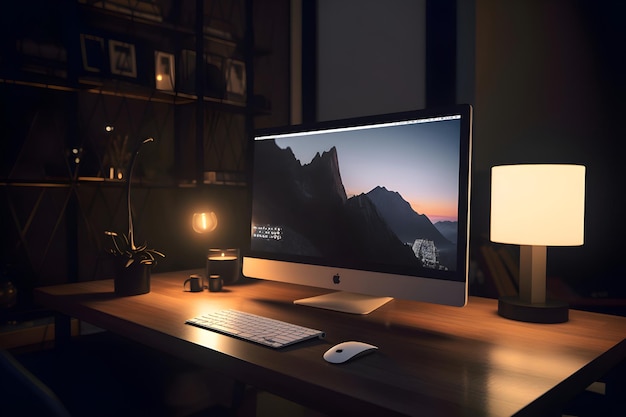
[{"x": 346, "y": 302}]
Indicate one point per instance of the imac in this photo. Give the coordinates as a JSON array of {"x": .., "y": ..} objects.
[{"x": 374, "y": 208}]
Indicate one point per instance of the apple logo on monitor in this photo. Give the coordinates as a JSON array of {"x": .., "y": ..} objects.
[{"x": 336, "y": 279}]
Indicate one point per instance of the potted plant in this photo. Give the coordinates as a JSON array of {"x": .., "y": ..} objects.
[{"x": 133, "y": 262}]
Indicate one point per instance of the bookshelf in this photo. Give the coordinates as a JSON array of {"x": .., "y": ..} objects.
[{"x": 81, "y": 82}]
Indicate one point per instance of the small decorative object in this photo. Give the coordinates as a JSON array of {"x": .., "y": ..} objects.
[
  {"x": 122, "y": 59},
  {"x": 165, "y": 78},
  {"x": 235, "y": 79},
  {"x": 215, "y": 283},
  {"x": 117, "y": 156},
  {"x": 195, "y": 283},
  {"x": 225, "y": 263},
  {"x": 132, "y": 263},
  {"x": 8, "y": 294}
]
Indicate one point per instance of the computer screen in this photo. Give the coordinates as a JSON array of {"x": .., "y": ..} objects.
[{"x": 375, "y": 207}]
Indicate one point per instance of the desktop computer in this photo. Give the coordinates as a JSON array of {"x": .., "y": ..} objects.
[{"x": 374, "y": 208}]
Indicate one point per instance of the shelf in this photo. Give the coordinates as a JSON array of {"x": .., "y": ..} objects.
[
  {"x": 106, "y": 19},
  {"x": 71, "y": 71},
  {"x": 218, "y": 178},
  {"x": 129, "y": 90},
  {"x": 120, "y": 88},
  {"x": 151, "y": 11}
]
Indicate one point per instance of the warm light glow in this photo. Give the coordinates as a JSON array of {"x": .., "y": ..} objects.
[
  {"x": 538, "y": 204},
  {"x": 222, "y": 254},
  {"x": 204, "y": 222},
  {"x": 507, "y": 388},
  {"x": 159, "y": 77}
]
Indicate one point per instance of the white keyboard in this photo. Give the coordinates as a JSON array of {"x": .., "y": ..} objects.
[{"x": 259, "y": 329}]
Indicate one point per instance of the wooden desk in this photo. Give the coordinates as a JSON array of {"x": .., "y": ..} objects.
[{"x": 433, "y": 360}]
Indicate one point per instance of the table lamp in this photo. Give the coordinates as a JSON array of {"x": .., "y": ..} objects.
[{"x": 536, "y": 206}]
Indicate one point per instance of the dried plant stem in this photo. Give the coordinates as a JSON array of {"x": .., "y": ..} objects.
[{"x": 131, "y": 231}]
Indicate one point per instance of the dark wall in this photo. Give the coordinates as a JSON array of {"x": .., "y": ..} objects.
[{"x": 370, "y": 57}]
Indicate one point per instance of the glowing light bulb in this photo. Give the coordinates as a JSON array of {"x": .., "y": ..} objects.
[{"x": 204, "y": 222}]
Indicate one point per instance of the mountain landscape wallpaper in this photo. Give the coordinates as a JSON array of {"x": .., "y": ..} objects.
[{"x": 354, "y": 202}]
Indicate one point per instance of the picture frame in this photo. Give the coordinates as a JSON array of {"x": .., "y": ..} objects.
[
  {"x": 164, "y": 71},
  {"x": 92, "y": 51},
  {"x": 122, "y": 59}
]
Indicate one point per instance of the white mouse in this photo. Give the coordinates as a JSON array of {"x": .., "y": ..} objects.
[{"x": 345, "y": 351}]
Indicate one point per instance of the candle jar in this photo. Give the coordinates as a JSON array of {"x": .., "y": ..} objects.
[{"x": 225, "y": 263}]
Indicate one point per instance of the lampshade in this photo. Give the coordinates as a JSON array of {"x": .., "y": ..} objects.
[{"x": 538, "y": 204}]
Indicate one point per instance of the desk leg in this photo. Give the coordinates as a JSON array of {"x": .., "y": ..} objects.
[
  {"x": 243, "y": 400},
  {"x": 615, "y": 390},
  {"x": 62, "y": 330}
]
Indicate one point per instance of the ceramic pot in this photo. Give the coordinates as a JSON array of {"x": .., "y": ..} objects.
[{"x": 132, "y": 280}]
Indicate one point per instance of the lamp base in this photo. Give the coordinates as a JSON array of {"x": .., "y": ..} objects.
[{"x": 549, "y": 312}]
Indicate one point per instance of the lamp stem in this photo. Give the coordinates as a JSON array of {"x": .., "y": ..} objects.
[
  {"x": 531, "y": 304},
  {"x": 532, "y": 280}
]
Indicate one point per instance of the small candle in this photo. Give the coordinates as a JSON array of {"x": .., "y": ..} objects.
[{"x": 225, "y": 263}]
